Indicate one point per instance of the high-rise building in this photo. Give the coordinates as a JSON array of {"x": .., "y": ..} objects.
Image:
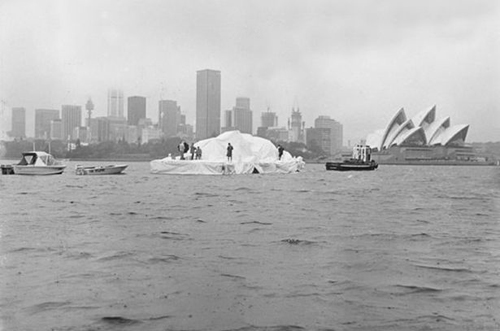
[
  {"x": 18, "y": 122},
  {"x": 169, "y": 117},
  {"x": 115, "y": 103},
  {"x": 296, "y": 126},
  {"x": 71, "y": 117},
  {"x": 42, "y": 122},
  {"x": 208, "y": 103},
  {"x": 136, "y": 109},
  {"x": 228, "y": 119},
  {"x": 243, "y": 115},
  {"x": 269, "y": 119},
  {"x": 336, "y": 133}
]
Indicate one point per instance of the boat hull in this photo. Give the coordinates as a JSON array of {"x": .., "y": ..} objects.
[
  {"x": 346, "y": 166},
  {"x": 101, "y": 170},
  {"x": 38, "y": 170}
]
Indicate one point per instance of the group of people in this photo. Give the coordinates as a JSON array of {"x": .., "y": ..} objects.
[
  {"x": 196, "y": 151},
  {"x": 184, "y": 148}
]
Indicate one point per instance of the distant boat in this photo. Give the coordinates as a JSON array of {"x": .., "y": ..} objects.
[
  {"x": 100, "y": 170},
  {"x": 38, "y": 163},
  {"x": 360, "y": 161}
]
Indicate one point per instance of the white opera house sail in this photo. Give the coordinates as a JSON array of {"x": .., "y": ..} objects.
[{"x": 422, "y": 139}]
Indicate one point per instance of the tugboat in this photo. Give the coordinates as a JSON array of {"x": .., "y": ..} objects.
[{"x": 360, "y": 161}]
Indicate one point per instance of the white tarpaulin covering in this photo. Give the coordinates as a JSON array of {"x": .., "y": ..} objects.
[{"x": 250, "y": 154}]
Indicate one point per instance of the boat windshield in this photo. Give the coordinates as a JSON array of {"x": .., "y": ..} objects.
[{"x": 28, "y": 159}]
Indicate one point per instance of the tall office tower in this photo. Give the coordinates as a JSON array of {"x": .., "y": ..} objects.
[
  {"x": 169, "y": 117},
  {"x": 208, "y": 103},
  {"x": 136, "y": 109},
  {"x": 42, "y": 122},
  {"x": 296, "y": 126},
  {"x": 115, "y": 103},
  {"x": 269, "y": 119},
  {"x": 336, "y": 132},
  {"x": 228, "y": 119},
  {"x": 243, "y": 115},
  {"x": 18, "y": 122},
  {"x": 71, "y": 117}
]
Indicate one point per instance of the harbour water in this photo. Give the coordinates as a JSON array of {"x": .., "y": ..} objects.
[{"x": 399, "y": 248}]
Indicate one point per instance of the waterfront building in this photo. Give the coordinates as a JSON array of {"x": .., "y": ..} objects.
[
  {"x": 136, "y": 109},
  {"x": 80, "y": 133},
  {"x": 150, "y": 134},
  {"x": 208, "y": 103},
  {"x": 56, "y": 129},
  {"x": 18, "y": 122},
  {"x": 335, "y": 137},
  {"x": 42, "y": 122},
  {"x": 422, "y": 139},
  {"x": 132, "y": 134},
  {"x": 169, "y": 114},
  {"x": 117, "y": 128},
  {"x": 115, "y": 103},
  {"x": 71, "y": 117},
  {"x": 99, "y": 127},
  {"x": 320, "y": 137},
  {"x": 278, "y": 134}
]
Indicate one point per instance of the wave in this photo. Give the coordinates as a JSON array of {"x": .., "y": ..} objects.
[
  {"x": 256, "y": 222},
  {"x": 419, "y": 289},
  {"x": 118, "y": 320},
  {"x": 442, "y": 268},
  {"x": 301, "y": 242}
]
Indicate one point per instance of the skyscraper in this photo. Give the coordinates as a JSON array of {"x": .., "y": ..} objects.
[
  {"x": 269, "y": 119},
  {"x": 169, "y": 117},
  {"x": 42, "y": 122},
  {"x": 228, "y": 119},
  {"x": 296, "y": 126},
  {"x": 208, "y": 103},
  {"x": 71, "y": 117},
  {"x": 18, "y": 122},
  {"x": 115, "y": 103},
  {"x": 136, "y": 109},
  {"x": 243, "y": 115}
]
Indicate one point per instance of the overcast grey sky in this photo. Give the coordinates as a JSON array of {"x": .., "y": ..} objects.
[{"x": 357, "y": 61}]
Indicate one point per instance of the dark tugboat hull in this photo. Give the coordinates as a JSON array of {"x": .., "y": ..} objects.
[{"x": 346, "y": 166}]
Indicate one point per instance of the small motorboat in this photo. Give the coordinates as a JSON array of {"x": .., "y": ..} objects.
[
  {"x": 38, "y": 163},
  {"x": 100, "y": 170},
  {"x": 360, "y": 161}
]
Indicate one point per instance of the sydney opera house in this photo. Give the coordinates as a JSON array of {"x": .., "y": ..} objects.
[{"x": 422, "y": 139}]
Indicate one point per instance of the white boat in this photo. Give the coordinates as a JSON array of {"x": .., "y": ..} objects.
[
  {"x": 100, "y": 170},
  {"x": 38, "y": 163}
]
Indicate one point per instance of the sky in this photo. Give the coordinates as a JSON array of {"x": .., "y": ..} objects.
[{"x": 357, "y": 61}]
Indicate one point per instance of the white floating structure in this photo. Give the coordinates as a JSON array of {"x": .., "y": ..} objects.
[{"x": 250, "y": 155}]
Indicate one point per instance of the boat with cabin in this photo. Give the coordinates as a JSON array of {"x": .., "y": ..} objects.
[
  {"x": 360, "y": 161},
  {"x": 38, "y": 163},
  {"x": 100, "y": 170}
]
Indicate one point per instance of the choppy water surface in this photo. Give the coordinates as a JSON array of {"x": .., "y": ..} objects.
[{"x": 400, "y": 248}]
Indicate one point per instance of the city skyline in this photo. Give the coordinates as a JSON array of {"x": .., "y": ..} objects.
[{"x": 357, "y": 62}]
